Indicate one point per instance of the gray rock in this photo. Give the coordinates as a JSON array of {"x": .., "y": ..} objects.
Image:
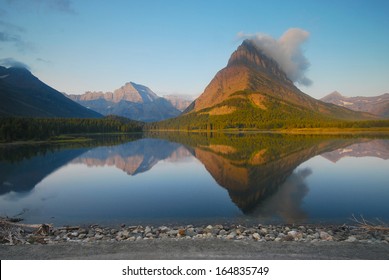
[
  {"x": 163, "y": 229},
  {"x": 256, "y": 236},
  {"x": 99, "y": 236},
  {"x": 209, "y": 228},
  {"x": 82, "y": 236},
  {"x": 351, "y": 238},
  {"x": 325, "y": 236},
  {"x": 172, "y": 232},
  {"x": 147, "y": 230},
  {"x": 295, "y": 234},
  {"x": 83, "y": 230},
  {"x": 125, "y": 233},
  {"x": 190, "y": 232},
  {"x": 231, "y": 235}
]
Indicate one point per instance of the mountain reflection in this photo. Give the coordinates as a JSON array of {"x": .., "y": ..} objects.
[
  {"x": 22, "y": 167},
  {"x": 134, "y": 157},
  {"x": 374, "y": 148},
  {"x": 24, "y": 174},
  {"x": 258, "y": 170},
  {"x": 286, "y": 201}
]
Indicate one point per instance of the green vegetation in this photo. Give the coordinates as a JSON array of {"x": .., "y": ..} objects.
[
  {"x": 245, "y": 145},
  {"x": 38, "y": 129},
  {"x": 275, "y": 115}
]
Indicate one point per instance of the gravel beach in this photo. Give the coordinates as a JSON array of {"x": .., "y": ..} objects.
[{"x": 194, "y": 242}]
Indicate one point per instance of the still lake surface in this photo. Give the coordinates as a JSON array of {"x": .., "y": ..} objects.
[{"x": 196, "y": 179}]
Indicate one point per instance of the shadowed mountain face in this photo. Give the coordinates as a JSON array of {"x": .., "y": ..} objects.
[
  {"x": 377, "y": 105},
  {"x": 23, "y": 94},
  {"x": 133, "y": 101}
]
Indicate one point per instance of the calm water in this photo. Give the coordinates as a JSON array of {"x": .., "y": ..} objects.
[{"x": 181, "y": 178}]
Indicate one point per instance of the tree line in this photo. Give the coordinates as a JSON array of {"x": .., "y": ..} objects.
[{"x": 19, "y": 128}]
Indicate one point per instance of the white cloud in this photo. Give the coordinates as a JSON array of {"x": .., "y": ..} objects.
[
  {"x": 286, "y": 51},
  {"x": 11, "y": 62}
]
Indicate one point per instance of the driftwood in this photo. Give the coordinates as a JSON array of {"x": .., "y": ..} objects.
[
  {"x": 42, "y": 229},
  {"x": 5, "y": 222},
  {"x": 366, "y": 225},
  {"x": 69, "y": 228}
]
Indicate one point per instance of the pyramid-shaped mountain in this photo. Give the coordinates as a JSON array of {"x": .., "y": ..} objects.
[
  {"x": 252, "y": 91},
  {"x": 133, "y": 101},
  {"x": 23, "y": 94}
]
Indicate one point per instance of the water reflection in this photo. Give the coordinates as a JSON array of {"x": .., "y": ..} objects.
[
  {"x": 22, "y": 167},
  {"x": 263, "y": 175},
  {"x": 374, "y": 148},
  {"x": 251, "y": 167},
  {"x": 134, "y": 157},
  {"x": 25, "y": 174},
  {"x": 286, "y": 202}
]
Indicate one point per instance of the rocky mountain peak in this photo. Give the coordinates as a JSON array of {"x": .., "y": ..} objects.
[
  {"x": 249, "y": 55},
  {"x": 128, "y": 92},
  {"x": 134, "y": 93},
  {"x": 133, "y": 101},
  {"x": 248, "y": 69},
  {"x": 334, "y": 94}
]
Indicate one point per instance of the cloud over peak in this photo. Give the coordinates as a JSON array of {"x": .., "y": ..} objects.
[
  {"x": 286, "y": 51},
  {"x": 11, "y": 62}
]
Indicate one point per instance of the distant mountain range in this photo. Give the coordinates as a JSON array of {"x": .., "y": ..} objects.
[
  {"x": 252, "y": 91},
  {"x": 133, "y": 101},
  {"x": 180, "y": 102},
  {"x": 23, "y": 94},
  {"x": 377, "y": 105}
]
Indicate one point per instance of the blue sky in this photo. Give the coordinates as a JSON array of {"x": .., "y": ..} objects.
[{"x": 176, "y": 47}]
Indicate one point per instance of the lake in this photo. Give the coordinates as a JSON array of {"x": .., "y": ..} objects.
[{"x": 197, "y": 178}]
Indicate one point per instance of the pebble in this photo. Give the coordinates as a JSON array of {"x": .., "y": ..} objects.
[
  {"x": 256, "y": 236},
  {"x": 260, "y": 233},
  {"x": 325, "y": 236},
  {"x": 351, "y": 239}
]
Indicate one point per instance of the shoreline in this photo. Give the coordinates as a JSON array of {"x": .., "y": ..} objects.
[
  {"x": 13, "y": 233},
  {"x": 266, "y": 242}
]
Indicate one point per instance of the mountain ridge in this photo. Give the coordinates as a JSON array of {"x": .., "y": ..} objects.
[
  {"x": 250, "y": 69},
  {"x": 253, "y": 92},
  {"x": 133, "y": 101},
  {"x": 377, "y": 105},
  {"x": 23, "y": 94}
]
